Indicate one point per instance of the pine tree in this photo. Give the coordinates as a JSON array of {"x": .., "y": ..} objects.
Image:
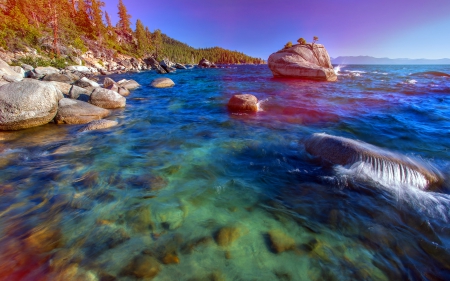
[
  {"x": 142, "y": 46},
  {"x": 157, "y": 41},
  {"x": 82, "y": 19},
  {"x": 97, "y": 18},
  {"x": 108, "y": 20},
  {"x": 124, "y": 18}
]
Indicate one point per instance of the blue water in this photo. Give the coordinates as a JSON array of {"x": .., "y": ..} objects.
[{"x": 152, "y": 197}]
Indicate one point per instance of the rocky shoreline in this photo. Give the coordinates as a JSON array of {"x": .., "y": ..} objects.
[{"x": 31, "y": 97}]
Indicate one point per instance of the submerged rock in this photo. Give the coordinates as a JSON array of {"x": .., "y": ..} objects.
[
  {"x": 227, "y": 235},
  {"x": 162, "y": 83},
  {"x": 107, "y": 99},
  {"x": 98, "y": 125},
  {"x": 382, "y": 163},
  {"x": 78, "y": 112},
  {"x": 307, "y": 61},
  {"x": 142, "y": 266},
  {"x": 280, "y": 242},
  {"x": 243, "y": 102},
  {"x": 27, "y": 104},
  {"x": 431, "y": 73}
]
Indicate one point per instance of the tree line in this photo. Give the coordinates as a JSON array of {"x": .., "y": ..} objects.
[{"x": 61, "y": 27}]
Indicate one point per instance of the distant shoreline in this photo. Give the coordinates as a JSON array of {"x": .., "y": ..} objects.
[{"x": 365, "y": 60}]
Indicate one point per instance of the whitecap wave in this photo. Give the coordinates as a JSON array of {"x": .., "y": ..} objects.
[{"x": 260, "y": 103}]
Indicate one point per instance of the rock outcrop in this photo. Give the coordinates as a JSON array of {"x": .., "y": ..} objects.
[
  {"x": 108, "y": 99},
  {"x": 78, "y": 112},
  {"x": 307, "y": 61},
  {"x": 204, "y": 63},
  {"x": 245, "y": 102},
  {"x": 27, "y": 104},
  {"x": 7, "y": 72},
  {"x": 378, "y": 162},
  {"x": 162, "y": 83}
]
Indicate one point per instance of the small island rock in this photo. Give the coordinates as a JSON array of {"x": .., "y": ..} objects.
[
  {"x": 306, "y": 61},
  {"x": 162, "y": 83},
  {"x": 108, "y": 99},
  {"x": 245, "y": 102},
  {"x": 27, "y": 104},
  {"x": 78, "y": 112}
]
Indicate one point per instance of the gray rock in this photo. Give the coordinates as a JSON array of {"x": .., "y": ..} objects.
[
  {"x": 12, "y": 78},
  {"x": 3, "y": 82},
  {"x": 303, "y": 61},
  {"x": 27, "y": 104},
  {"x": 345, "y": 152},
  {"x": 204, "y": 63},
  {"x": 78, "y": 112},
  {"x": 162, "y": 83},
  {"x": 19, "y": 70},
  {"x": 98, "y": 125},
  {"x": 6, "y": 70},
  {"x": 180, "y": 66},
  {"x": 76, "y": 60},
  {"x": 129, "y": 84},
  {"x": 126, "y": 63},
  {"x": 79, "y": 93},
  {"x": 79, "y": 68},
  {"x": 245, "y": 102},
  {"x": 107, "y": 99},
  {"x": 108, "y": 82},
  {"x": 154, "y": 65},
  {"x": 27, "y": 67},
  {"x": 86, "y": 83},
  {"x": 58, "y": 78},
  {"x": 40, "y": 72}
]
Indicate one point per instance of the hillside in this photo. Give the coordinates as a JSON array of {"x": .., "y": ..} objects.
[
  {"x": 388, "y": 61},
  {"x": 60, "y": 31}
]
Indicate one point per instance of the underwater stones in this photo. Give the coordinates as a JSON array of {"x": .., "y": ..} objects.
[
  {"x": 98, "y": 125},
  {"x": 171, "y": 218},
  {"x": 346, "y": 152},
  {"x": 142, "y": 266},
  {"x": 307, "y": 61},
  {"x": 104, "y": 237},
  {"x": 27, "y": 104},
  {"x": 190, "y": 246},
  {"x": 139, "y": 219},
  {"x": 280, "y": 242},
  {"x": 44, "y": 239},
  {"x": 244, "y": 102},
  {"x": 107, "y": 99},
  {"x": 162, "y": 83},
  {"x": 78, "y": 112},
  {"x": 227, "y": 235},
  {"x": 170, "y": 258}
]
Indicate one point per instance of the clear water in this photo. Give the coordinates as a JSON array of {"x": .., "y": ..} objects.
[{"x": 193, "y": 192}]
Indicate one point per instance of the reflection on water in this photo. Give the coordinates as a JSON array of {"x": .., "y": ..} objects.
[{"x": 183, "y": 190}]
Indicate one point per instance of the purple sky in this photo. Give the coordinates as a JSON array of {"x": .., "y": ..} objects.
[{"x": 379, "y": 28}]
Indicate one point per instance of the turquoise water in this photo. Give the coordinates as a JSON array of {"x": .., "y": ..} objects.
[{"x": 182, "y": 189}]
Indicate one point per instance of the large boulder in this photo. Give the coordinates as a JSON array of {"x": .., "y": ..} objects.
[
  {"x": 41, "y": 71},
  {"x": 167, "y": 65},
  {"x": 245, "y": 102},
  {"x": 129, "y": 84},
  {"x": 86, "y": 83},
  {"x": 78, "y": 112},
  {"x": 8, "y": 72},
  {"x": 307, "y": 61},
  {"x": 98, "y": 125},
  {"x": 27, "y": 104},
  {"x": 109, "y": 84},
  {"x": 204, "y": 63},
  {"x": 105, "y": 98},
  {"x": 162, "y": 83},
  {"x": 58, "y": 77},
  {"x": 151, "y": 62},
  {"x": 375, "y": 161}
]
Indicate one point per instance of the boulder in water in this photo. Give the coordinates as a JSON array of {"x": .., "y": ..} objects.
[
  {"x": 431, "y": 73},
  {"x": 307, "y": 61},
  {"x": 162, "y": 83},
  {"x": 78, "y": 112},
  {"x": 245, "y": 102},
  {"x": 27, "y": 104},
  {"x": 107, "y": 99},
  {"x": 383, "y": 164},
  {"x": 204, "y": 63}
]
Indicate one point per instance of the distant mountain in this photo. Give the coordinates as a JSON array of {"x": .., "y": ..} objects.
[{"x": 372, "y": 60}]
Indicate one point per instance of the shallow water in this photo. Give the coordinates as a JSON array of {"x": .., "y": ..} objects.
[{"x": 184, "y": 190}]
